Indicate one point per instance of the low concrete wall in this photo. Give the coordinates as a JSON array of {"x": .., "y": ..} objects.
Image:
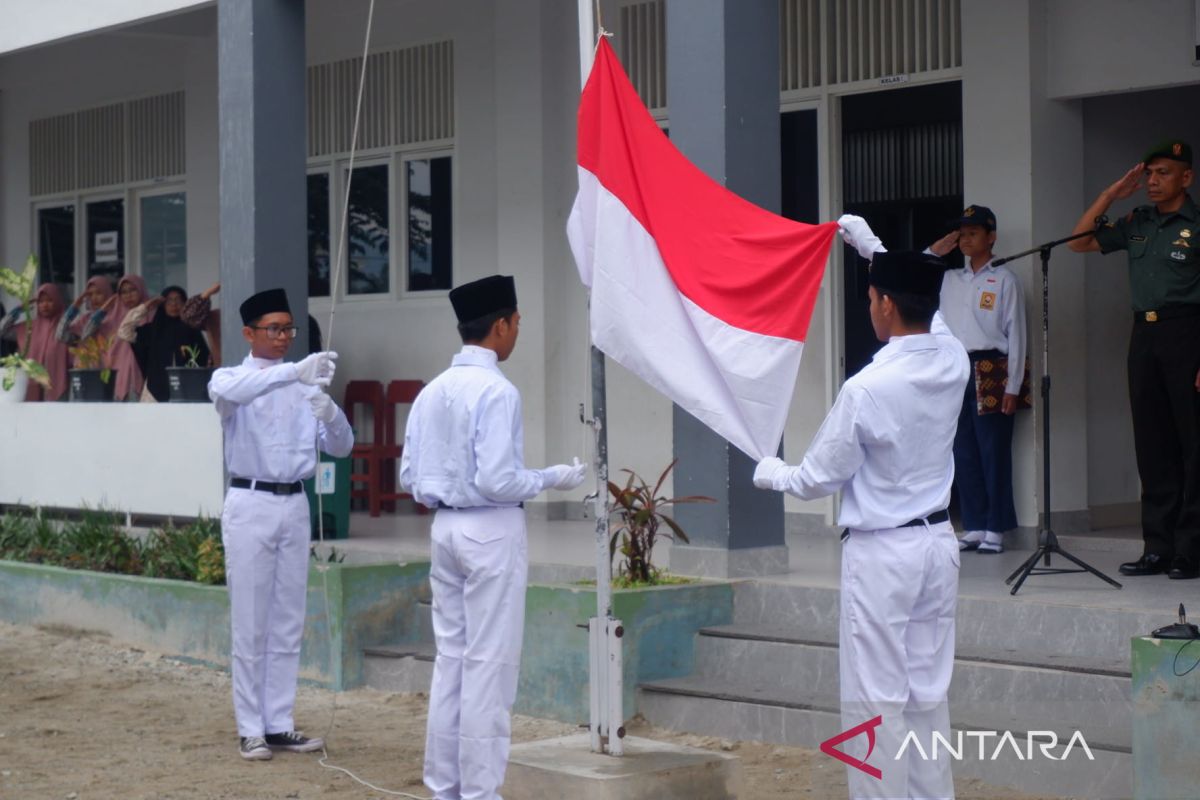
[
  {"x": 367, "y": 605},
  {"x": 660, "y": 629},
  {"x": 1166, "y": 707}
]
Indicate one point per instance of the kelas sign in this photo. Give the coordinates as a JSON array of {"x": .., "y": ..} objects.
[{"x": 1045, "y": 743}]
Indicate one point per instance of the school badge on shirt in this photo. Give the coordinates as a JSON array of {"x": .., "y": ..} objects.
[{"x": 987, "y": 301}]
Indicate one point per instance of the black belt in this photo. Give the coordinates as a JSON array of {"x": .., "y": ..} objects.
[
  {"x": 266, "y": 486},
  {"x": 1169, "y": 312},
  {"x": 980, "y": 355},
  {"x": 932, "y": 519},
  {"x": 442, "y": 505}
]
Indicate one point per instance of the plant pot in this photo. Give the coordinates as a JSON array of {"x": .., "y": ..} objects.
[
  {"x": 189, "y": 384},
  {"x": 87, "y": 387},
  {"x": 17, "y": 393}
]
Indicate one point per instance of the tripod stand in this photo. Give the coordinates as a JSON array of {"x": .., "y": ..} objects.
[{"x": 1047, "y": 540}]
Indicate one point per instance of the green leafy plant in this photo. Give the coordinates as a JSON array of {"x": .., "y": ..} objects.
[
  {"x": 90, "y": 353},
  {"x": 98, "y": 541},
  {"x": 640, "y": 511},
  {"x": 334, "y": 556},
  {"x": 21, "y": 286},
  {"x": 192, "y": 354}
]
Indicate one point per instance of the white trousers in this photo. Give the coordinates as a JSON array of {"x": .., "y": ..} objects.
[
  {"x": 896, "y": 652},
  {"x": 266, "y": 540},
  {"x": 478, "y": 574}
]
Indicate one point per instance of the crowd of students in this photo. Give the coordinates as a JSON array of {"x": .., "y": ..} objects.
[{"x": 141, "y": 335}]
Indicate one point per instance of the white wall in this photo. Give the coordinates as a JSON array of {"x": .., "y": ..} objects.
[
  {"x": 28, "y": 23},
  {"x": 1101, "y": 46}
]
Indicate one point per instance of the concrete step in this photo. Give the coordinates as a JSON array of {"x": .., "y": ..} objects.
[
  {"x": 399, "y": 668},
  {"x": 986, "y": 690},
  {"x": 735, "y": 709}
]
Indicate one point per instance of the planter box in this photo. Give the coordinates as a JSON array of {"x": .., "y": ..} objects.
[
  {"x": 660, "y": 631},
  {"x": 367, "y": 605},
  {"x": 189, "y": 384},
  {"x": 88, "y": 387}
]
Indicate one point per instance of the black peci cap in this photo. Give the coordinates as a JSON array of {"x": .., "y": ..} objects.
[
  {"x": 906, "y": 272},
  {"x": 269, "y": 302},
  {"x": 485, "y": 296}
]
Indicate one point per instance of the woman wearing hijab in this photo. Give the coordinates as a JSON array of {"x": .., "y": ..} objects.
[
  {"x": 131, "y": 291},
  {"x": 78, "y": 324},
  {"x": 159, "y": 343},
  {"x": 44, "y": 346}
]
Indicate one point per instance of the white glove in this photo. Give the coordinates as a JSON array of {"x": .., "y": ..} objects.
[
  {"x": 768, "y": 471},
  {"x": 564, "y": 476},
  {"x": 323, "y": 407},
  {"x": 317, "y": 369},
  {"x": 858, "y": 234}
]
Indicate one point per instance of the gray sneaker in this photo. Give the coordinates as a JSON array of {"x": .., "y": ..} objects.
[
  {"x": 254, "y": 748},
  {"x": 293, "y": 742}
]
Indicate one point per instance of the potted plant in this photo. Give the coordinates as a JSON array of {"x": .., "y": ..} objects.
[
  {"x": 639, "y": 510},
  {"x": 189, "y": 383},
  {"x": 17, "y": 369},
  {"x": 91, "y": 378}
]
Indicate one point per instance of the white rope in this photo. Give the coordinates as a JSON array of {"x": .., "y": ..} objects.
[{"x": 338, "y": 261}]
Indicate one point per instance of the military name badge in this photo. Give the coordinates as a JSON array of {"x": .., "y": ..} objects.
[
  {"x": 987, "y": 301},
  {"x": 1137, "y": 237}
]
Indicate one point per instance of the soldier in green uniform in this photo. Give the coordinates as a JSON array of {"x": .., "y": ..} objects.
[{"x": 1163, "y": 245}]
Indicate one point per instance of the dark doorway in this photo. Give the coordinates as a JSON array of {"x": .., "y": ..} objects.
[
  {"x": 902, "y": 172},
  {"x": 800, "y": 192}
]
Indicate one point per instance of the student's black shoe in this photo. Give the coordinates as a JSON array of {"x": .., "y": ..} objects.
[
  {"x": 1184, "y": 568},
  {"x": 1148, "y": 564},
  {"x": 293, "y": 742},
  {"x": 253, "y": 748}
]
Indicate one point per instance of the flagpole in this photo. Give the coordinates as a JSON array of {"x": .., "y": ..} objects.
[{"x": 606, "y": 664}]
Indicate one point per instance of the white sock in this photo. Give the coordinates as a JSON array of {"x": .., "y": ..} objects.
[
  {"x": 972, "y": 536},
  {"x": 993, "y": 538}
]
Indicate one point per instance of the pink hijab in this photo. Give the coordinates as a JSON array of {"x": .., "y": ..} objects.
[
  {"x": 45, "y": 348},
  {"x": 108, "y": 328},
  {"x": 120, "y": 353}
]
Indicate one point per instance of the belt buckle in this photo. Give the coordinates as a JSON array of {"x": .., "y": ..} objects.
[
  {"x": 1151, "y": 316},
  {"x": 282, "y": 488}
]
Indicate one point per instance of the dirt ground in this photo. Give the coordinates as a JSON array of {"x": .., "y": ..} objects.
[{"x": 82, "y": 717}]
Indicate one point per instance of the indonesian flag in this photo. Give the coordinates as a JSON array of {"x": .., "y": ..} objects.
[{"x": 700, "y": 293}]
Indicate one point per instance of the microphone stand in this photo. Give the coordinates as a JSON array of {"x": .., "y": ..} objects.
[{"x": 1047, "y": 540}]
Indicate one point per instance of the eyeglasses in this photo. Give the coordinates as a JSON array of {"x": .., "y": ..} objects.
[{"x": 275, "y": 331}]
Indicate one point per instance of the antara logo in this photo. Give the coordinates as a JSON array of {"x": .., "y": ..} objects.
[{"x": 1046, "y": 742}]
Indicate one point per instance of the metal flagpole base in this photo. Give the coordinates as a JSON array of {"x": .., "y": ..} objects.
[{"x": 606, "y": 686}]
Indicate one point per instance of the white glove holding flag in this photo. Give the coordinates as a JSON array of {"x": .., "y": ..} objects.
[
  {"x": 564, "y": 476},
  {"x": 771, "y": 473},
  {"x": 317, "y": 369},
  {"x": 323, "y": 407},
  {"x": 858, "y": 234}
]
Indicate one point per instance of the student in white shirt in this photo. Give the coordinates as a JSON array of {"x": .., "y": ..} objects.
[
  {"x": 984, "y": 307},
  {"x": 464, "y": 455},
  {"x": 274, "y": 415},
  {"x": 887, "y": 444}
]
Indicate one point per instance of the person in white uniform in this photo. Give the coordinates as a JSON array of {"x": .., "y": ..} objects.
[
  {"x": 274, "y": 416},
  {"x": 464, "y": 455},
  {"x": 887, "y": 444},
  {"x": 984, "y": 308}
]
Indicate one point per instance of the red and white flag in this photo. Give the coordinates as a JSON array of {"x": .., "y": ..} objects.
[{"x": 700, "y": 293}]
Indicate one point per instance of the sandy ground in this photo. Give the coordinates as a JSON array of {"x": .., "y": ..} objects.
[{"x": 82, "y": 717}]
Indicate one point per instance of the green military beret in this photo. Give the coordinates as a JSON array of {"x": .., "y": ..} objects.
[{"x": 1174, "y": 149}]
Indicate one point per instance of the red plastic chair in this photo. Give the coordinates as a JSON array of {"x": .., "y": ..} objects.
[
  {"x": 399, "y": 393},
  {"x": 366, "y": 466}
]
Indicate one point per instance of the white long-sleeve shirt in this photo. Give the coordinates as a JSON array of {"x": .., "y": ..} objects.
[
  {"x": 270, "y": 430},
  {"x": 985, "y": 310},
  {"x": 464, "y": 442},
  {"x": 888, "y": 440}
]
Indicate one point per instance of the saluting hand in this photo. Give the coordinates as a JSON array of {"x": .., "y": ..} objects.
[
  {"x": 1129, "y": 183},
  {"x": 210, "y": 291},
  {"x": 945, "y": 244},
  {"x": 108, "y": 303}
]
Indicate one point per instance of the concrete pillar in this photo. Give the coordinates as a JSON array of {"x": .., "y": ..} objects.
[
  {"x": 723, "y": 100},
  {"x": 262, "y": 128},
  {"x": 1023, "y": 157}
]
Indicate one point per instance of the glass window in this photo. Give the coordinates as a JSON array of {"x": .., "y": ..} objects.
[
  {"x": 106, "y": 238},
  {"x": 429, "y": 224},
  {"x": 318, "y": 235},
  {"x": 56, "y": 245},
  {"x": 367, "y": 233},
  {"x": 164, "y": 241}
]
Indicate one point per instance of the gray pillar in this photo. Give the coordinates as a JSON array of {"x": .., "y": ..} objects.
[
  {"x": 261, "y": 116},
  {"x": 723, "y": 100}
]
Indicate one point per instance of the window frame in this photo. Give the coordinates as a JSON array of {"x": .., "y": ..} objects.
[
  {"x": 133, "y": 222},
  {"x": 426, "y": 154}
]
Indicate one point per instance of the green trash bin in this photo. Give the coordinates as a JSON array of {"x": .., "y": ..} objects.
[{"x": 336, "y": 504}]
